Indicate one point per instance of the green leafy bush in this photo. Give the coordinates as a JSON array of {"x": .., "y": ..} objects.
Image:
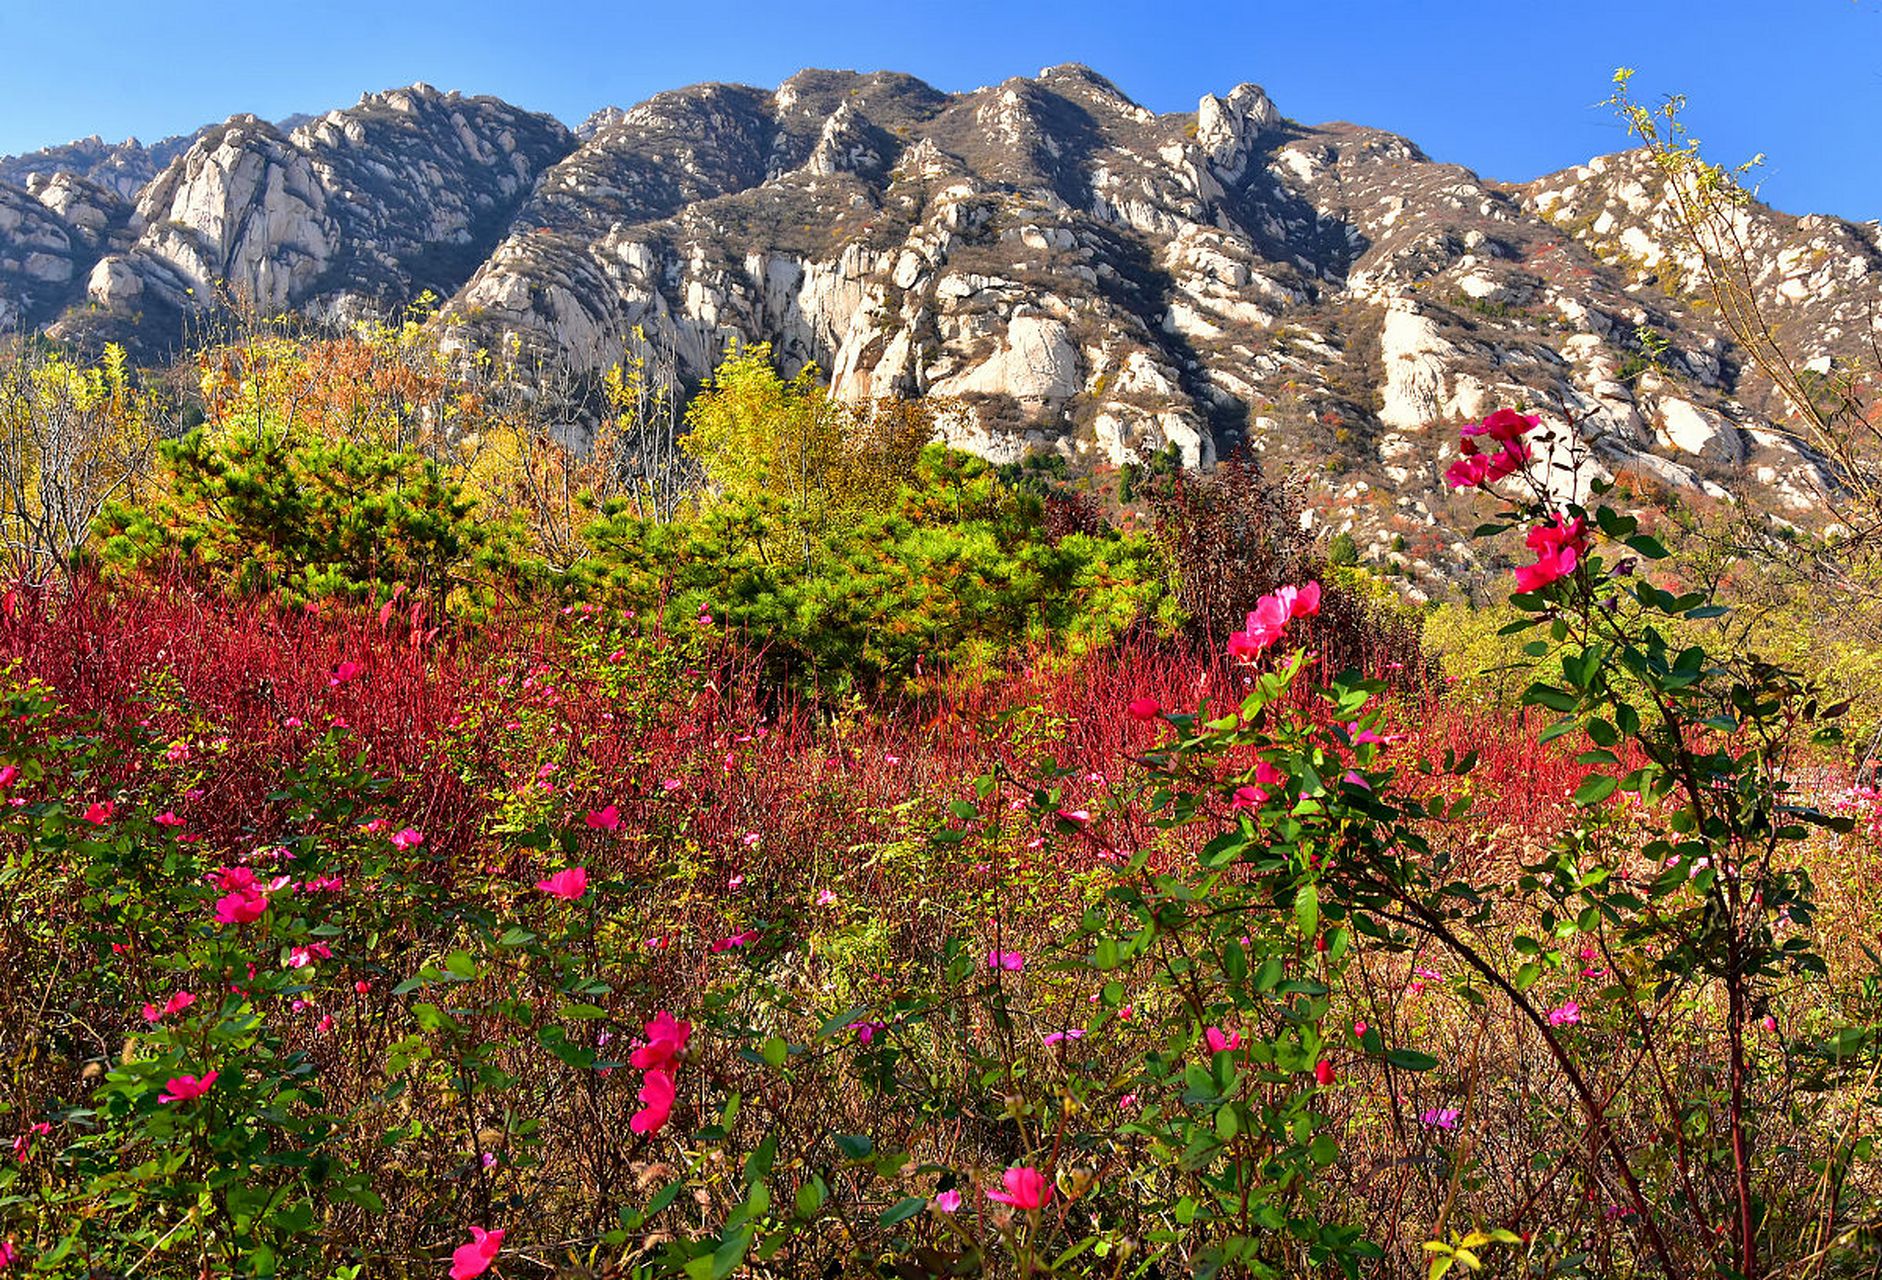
[
  {"x": 953, "y": 573},
  {"x": 260, "y": 512}
]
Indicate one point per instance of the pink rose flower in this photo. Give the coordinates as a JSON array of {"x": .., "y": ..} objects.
[{"x": 1024, "y": 1188}]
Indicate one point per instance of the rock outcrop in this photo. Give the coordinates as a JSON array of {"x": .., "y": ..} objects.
[
  {"x": 52, "y": 232},
  {"x": 353, "y": 212},
  {"x": 124, "y": 168},
  {"x": 1077, "y": 274}
]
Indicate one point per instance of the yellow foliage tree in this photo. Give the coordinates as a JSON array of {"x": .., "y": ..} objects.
[
  {"x": 389, "y": 385},
  {"x": 770, "y": 442},
  {"x": 73, "y": 437}
]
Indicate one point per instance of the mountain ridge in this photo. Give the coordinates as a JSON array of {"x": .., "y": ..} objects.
[{"x": 1074, "y": 273}]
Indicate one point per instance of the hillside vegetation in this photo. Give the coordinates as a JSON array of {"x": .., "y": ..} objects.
[{"x": 468, "y": 818}]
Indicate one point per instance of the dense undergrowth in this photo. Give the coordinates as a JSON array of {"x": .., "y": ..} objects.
[
  {"x": 892, "y": 867},
  {"x": 405, "y": 1051}
]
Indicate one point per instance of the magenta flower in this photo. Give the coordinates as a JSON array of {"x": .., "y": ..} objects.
[
  {"x": 1505, "y": 426},
  {"x": 174, "y": 1005},
  {"x": 866, "y": 1031},
  {"x": 1010, "y": 961},
  {"x": 1559, "y": 546},
  {"x": 1467, "y": 472},
  {"x": 234, "y": 879},
  {"x": 1551, "y": 566},
  {"x": 1474, "y": 468},
  {"x": 1566, "y": 1014},
  {"x": 659, "y": 1057},
  {"x": 948, "y": 1202},
  {"x": 608, "y": 819},
  {"x": 8, "y": 773},
  {"x": 184, "y": 1088},
  {"x": 743, "y": 938},
  {"x": 1025, "y": 1188},
  {"x": 568, "y": 884},
  {"x": 99, "y": 812},
  {"x": 1143, "y": 708},
  {"x": 1359, "y": 735},
  {"x": 409, "y": 838},
  {"x": 344, "y": 673},
  {"x": 666, "y": 1040},
  {"x": 23, "y": 1142},
  {"x": 303, "y": 957},
  {"x": 1441, "y": 1118},
  {"x": 1271, "y": 615},
  {"x": 1220, "y": 1041},
  {"x": 656, "y": 1095},
  {"x": 473, "y": 1259},
  {"x": 1263, "y": 629},
  {"x": 243, "y": 906}
]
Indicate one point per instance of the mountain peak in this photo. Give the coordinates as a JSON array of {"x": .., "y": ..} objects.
[
  {"x": 1075, "y": 274},
  {"x": 1079, "y": 73}
]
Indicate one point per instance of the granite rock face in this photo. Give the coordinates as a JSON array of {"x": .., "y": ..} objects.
[
  {"x": 350, "y": 213},
  {"x": 124, "y": 168},
  {"x": 52, "y": 232},
  {"x": 1076, "y": 274},
  {"x": 1081, "y": 275}
]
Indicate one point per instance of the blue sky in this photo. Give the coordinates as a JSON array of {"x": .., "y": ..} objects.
[{"x": 1511, "y": 89}]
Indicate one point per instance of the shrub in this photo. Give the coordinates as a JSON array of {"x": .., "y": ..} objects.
[
  {"x": 261, "y": 513},
  {"x": 765, "y": 442},
  {"x": 1231, "y": 537},
  {"x": 1136, "y": 965},
  {"x": 862, "y": 556},
  {"x": 959, "y": 572}
]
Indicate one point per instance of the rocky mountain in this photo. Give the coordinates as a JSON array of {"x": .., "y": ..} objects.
[
  {"x": 1076, "y": 274},
  {"x": 123, "y": 167},
  {"x": 350, "y": 213}
]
